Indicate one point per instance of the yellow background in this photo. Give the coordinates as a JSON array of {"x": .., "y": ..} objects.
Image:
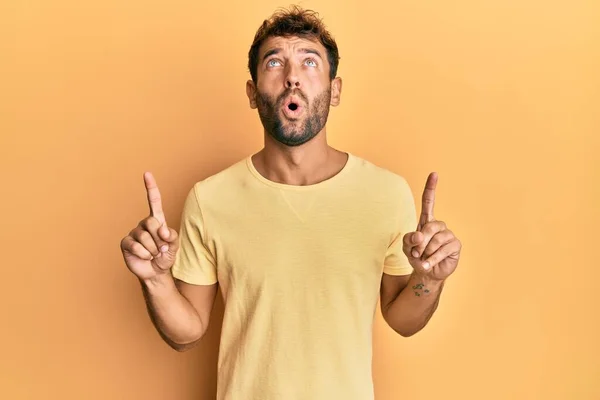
[{"x": 501, "y": 98}]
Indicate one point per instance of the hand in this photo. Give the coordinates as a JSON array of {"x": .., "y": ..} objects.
[
  {"x": 432, "y": 249},
  {"x": 149, "y": 250}
]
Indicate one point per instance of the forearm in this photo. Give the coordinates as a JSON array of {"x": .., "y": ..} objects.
[
  {"x": 410, "y": 311},
  {"x": 174, "y": 317}
]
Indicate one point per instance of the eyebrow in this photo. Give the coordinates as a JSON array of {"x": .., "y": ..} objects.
[{"x": 304, "y": 50}]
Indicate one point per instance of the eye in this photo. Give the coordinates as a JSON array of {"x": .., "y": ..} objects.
[
  {"x": 311, "y": 62},
  {"x": 272, "y": 62}
]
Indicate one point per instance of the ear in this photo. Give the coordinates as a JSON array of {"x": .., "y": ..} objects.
[
  {"x": 336, "y": 91},
  {"x": 251, "y": 93}
]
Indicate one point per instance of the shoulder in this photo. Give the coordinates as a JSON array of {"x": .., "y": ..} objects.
[
  {"x": 380, "y": 179},
  {"x": 222, "y": 182}
]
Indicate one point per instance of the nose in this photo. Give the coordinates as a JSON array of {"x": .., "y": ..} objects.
[
  {"x": 292, "y": 80},
  {"x": 292, "y": 83}
]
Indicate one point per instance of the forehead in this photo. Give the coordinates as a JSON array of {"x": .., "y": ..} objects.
[{"x": 290, "y": 43}]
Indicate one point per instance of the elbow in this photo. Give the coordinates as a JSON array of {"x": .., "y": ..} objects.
[
  {"x": 185, "y": 345},
  {"x": 405, "y": 332},
  {"x": 182, "y": 347},
  {"x": 400, "y": 328}
]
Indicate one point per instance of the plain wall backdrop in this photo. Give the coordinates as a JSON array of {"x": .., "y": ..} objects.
[{"x": 501, "y": 98}]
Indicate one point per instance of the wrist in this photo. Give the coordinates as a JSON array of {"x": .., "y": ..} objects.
[
  {"x": 425, "y": 283},
  {"x": 158, "y": 281}
]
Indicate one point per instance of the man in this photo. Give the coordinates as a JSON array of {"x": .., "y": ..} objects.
[{"x": 302, "y": 239}]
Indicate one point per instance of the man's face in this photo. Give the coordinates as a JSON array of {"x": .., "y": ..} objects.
[{"x": 293, "y": 91}]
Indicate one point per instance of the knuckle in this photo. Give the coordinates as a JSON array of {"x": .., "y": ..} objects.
[
  {"x": 140, "y": 228},
  {"x": 125, "y": 242},
  {"x": 436, "y": 226},
  {"x": 404, "y": 246},
  {"x": 136, "y": 248},
  {"x": 152, "y": 224},
  {"x": 147, "y": 222},
  {"x": 136, "y": 233}
]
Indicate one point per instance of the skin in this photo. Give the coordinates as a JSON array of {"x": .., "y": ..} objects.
[
  {"x": 296, "y": 153},
  {"x": 408, "y": 302},
  {"x": 179, "y": 311},
  {"x": 296, "y": 150}
]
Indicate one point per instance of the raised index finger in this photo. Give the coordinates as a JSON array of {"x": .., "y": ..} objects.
[
  {"x": 428, "y": 200},
  {"x": 154, "y": 200}
]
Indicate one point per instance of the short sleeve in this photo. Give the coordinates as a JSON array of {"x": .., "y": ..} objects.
[
  {"x": 194, "y": 262},
  {"x": 396, "y": 262}
]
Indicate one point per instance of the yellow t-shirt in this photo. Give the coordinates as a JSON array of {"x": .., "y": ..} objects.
[{"x": 299, "y": 268}]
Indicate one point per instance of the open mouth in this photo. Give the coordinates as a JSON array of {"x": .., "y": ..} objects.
[{"x": 292, "y": 109}]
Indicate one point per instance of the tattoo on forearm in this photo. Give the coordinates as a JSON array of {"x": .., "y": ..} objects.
[{"x": 419, "y": 288}]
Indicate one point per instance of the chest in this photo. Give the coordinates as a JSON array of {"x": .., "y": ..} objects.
[{"x": 306, "y": 246}]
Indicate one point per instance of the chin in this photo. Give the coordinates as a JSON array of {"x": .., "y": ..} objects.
[{"x": 293, "y": 139}]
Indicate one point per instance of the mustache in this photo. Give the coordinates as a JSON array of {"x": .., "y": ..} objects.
[{"x": 289, "y": 92}]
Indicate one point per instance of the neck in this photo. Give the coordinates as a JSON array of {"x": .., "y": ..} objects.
[{"x": 307, "y": 164}]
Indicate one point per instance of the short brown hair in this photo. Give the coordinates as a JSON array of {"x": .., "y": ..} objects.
[{"x": 294, "y": 22}]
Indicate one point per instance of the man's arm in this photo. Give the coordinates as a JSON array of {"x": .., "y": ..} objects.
[
  {"x": 409, "y": 301},
  {"x": 179, "y": 311}
]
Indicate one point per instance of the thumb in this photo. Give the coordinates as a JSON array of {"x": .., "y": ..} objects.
[
  {"x": 167, "y": 257},
  {"x": 164, "y": 232},
  {"x": 172, "y": 238}
]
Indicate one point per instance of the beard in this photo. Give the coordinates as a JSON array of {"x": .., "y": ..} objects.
[{"x": 298, "y": 132}]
